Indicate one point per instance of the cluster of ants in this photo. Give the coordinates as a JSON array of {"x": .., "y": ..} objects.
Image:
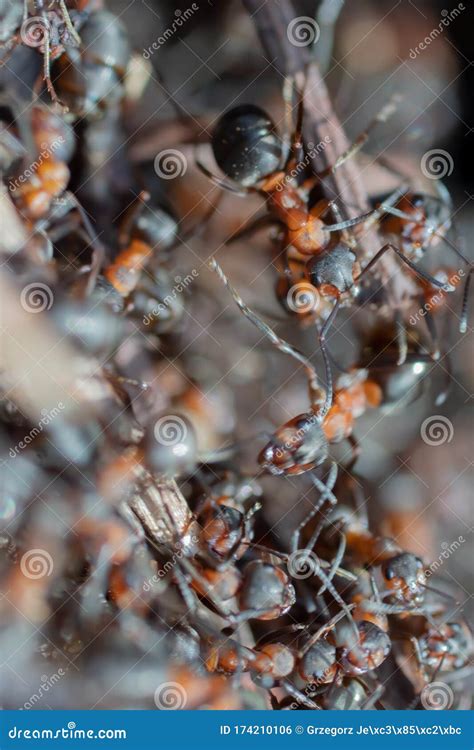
[{"x": 166, "y": 542}]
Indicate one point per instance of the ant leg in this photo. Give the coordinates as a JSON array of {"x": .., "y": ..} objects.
[
  {"x": 322, "y": 631},
  {"x": 326, "y": 494},
  {"x": 385, "y": 113},
  {"x": 327, "y": 362},
  {"x": 315, "y": 391},
  {"x": 422, "y": 274},
  {"x": 251, "y": 227},
  {"x": 224, "y": 184},
  {"x": 68, "y": 23},
  {"x": 298, "y": 695},
  {"x": 368, "y": 704},
  {"x": 336, "y": 562},
  {"x": 98, "y": 248}
]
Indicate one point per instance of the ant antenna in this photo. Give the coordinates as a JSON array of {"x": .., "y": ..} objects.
[{"x": 316, "y": 393}]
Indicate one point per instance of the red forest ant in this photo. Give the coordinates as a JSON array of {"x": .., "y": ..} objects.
[
  {"x": 302, "y": 443},
  {"x": 248, "y": 149}
]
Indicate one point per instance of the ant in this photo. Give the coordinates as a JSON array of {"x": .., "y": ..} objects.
[
  {"x": 249, "y": 151},
  {"x": 302, "y": 443},
  {"x": 42, "y": 196},
  {"x": 402, "y": 573},
  {"x": 50, "y": 28},
  {"x": 88, "y": 79},
  {"x": 435, "y": 648},
  {"x": 147, "y": 237}
]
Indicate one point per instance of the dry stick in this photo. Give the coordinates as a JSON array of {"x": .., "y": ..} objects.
[{"x": 321, "y": 125}]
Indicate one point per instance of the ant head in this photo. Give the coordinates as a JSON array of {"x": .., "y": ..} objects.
[
  {"x": 246, "y": 145},
  {"x": 298, "y": 446},
  {"x": 153, "y": 225},
  {"x": 332, "y": 271},
  {"x": 281, "y": 659},
  {"x": 223, "y": 530},
  {"x": 266, "y": 588},
  {"x": 404, "y": 575},
  {"x": 319, "y": 663},
  {"x": 368, "y": 652}
]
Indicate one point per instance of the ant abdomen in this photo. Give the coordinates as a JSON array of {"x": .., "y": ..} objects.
[
  {"x": 246, "y": 145},
  {"x": 297, "y": 446}
]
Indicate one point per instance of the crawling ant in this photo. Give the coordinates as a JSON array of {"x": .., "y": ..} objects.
[
  {"x": 249, "y": 151},
  {"x": 49, "y": 27},
  {"x": 426, "y": 648},
  {"x": 88, "y": 79},
  {"x": 302, "y": 443},
  {"x": 41, "y": 194},
  {"x": 402, "y": 573}
]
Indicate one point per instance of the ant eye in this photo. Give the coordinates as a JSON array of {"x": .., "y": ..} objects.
[{"x": 245, "y": 144}]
